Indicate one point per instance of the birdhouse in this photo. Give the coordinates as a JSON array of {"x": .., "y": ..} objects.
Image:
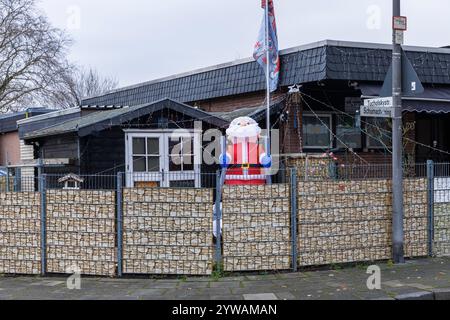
[{"x": 71, "y": 181}]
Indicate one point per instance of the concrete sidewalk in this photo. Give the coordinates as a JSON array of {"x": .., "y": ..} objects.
[{"x": 416, "y": 279}]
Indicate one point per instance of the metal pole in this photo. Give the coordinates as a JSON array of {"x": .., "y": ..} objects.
[
  {"x": 294, "y": 218},
  {"x": 430, "y": 176},
  {"x": 218, "y": 217},
  {"x": 7, "y": 179},
  {"x": 42, "y": 190},
  {"x": 119, "y": 224},
  {"x": 268, "y": 145},
  {"x": 397, "y": 148}
]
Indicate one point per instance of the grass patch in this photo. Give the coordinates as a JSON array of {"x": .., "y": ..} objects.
[
  {"x": 218, "y": 272},
  {"x": 390, "y": 264}
]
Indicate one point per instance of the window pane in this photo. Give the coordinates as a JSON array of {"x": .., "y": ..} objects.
[
  {"x": 139, "y": 164},
  {"x": 138, "y": 145},
  {"x": 316, "y": 134},
  {"x": 175, "y": 146},
  {"x": 175, "y": 163},
  {"x": 348, "y": 133},
  {"x": 153, "y": 164},
  {"x": 188, "y": 163},
  {"x": 153, "y": 146},
  {"x": 188, "y": 145},
  {"x": 379, "y": 133}
]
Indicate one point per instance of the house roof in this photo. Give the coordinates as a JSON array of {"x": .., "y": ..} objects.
[
  {"x": 102, "y": 120},
  {"x": 8, "y": 122},
  {"x": 49, "y": 119},
  {"x": 334, "y": 60}
]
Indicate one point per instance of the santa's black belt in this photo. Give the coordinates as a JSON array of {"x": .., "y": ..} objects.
[{"x": 245, "y": 166}]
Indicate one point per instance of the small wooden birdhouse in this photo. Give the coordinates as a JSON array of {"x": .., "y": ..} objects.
[{"x": 71, "y": 181}]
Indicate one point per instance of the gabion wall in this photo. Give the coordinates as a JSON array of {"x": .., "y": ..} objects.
[
  {"x": 20, "y": 233},
  {"x": 442, "y": 217},
  {"x": 81, "y": 232},
  {"x": 256, "y": 228},
  {"x": 167, "y": 231},
  {"x": 351, "y": 221}
]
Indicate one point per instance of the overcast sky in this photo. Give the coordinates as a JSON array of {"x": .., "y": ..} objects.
[{"x": 141, "y": 40}]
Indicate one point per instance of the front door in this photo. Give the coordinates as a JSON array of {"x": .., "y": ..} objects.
[{"x": 163, "y": 159}]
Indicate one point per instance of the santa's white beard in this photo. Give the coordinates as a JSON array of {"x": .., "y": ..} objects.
[{"x": 249, "y": 131}]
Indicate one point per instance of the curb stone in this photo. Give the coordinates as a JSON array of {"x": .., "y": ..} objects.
[
  {"x": 421, "y": 295},
  {"x": 441, "y": 294}
]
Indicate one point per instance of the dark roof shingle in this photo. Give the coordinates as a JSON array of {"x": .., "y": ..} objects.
[{"x": 320, "y": 61}]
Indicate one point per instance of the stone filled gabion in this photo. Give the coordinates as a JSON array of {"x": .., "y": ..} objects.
[
  {"x": 167, "y": 231},
  {"x": 256, "y": 228},
  {"x": 20, "y": 231},
  {"x": 442, "y": 229},
  {"x": 81, "y": 232},
  {"x": 351, "y": 221},
  {"x": 311, "y": 167}
]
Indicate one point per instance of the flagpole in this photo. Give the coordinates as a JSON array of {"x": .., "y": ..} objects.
[{"x": 268, "y": 144}]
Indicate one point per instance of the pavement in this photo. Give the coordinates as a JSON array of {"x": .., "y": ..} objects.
[{"x": 422, "y": 279}]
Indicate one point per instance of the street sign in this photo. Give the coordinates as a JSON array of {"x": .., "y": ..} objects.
[
  {"x": 378, "y": 108},
  {"x": 379, "y": 102},
  {"x": 400, "y": 23},
  {"x": 399, "y": 37}
]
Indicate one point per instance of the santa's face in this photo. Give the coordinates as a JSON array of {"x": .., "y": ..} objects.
[{"x": 244, "y": 127}]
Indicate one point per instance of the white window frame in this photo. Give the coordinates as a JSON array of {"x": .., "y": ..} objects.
[
  {"x": 164, "y": 176},
  {"x": 320, "y": 115}
]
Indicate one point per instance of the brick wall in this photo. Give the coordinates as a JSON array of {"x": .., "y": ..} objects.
[
  {"x": 81, "y": 232},
  {"x": 232, "y": 103},
  {"x": 256, "y": 228},
  {"x": 350, "y": 221},
  {"x": 20, "y": 233},
  {"x": 167, "y": 231}
]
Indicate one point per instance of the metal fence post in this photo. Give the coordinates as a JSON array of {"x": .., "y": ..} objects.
[
  {"x": 7, "y": 180},
  {"x": 43, "y": 194},
  {"x": 294, "y": 217},
  {"x": 218, "y": 217},
  {"x": 430, "y": 178},
  {"x": 119, "y": 195}
]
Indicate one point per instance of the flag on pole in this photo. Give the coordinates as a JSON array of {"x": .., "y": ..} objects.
[{"x": 260, "y": 46}]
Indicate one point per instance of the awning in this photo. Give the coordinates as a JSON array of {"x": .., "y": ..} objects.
[
  {"x": 426, "y": 106},
  {"x": 433, "y": 100}
]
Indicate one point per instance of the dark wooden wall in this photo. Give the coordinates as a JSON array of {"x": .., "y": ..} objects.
[
  {"x": 103, "y": 152},
  {"x": 60, "y": 147}
]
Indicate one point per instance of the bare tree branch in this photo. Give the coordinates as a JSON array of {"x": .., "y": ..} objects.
[
  {"x": 32, "y": 55},
  {"x": 79, "y": 84}
]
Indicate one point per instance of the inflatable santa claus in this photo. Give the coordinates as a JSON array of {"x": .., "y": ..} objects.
[{"x": 246, "y": 158}]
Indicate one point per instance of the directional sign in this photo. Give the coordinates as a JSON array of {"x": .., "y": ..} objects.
[{"x": 378, "y": 108}]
